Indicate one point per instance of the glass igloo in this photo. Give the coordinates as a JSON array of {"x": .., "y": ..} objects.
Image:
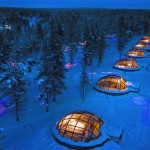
[
  {"x": 127, "y": 64},
  {"x": 112, "y": 84},
  {"x": 80, "y": 126},
  {"x": 136, "y": 53},
  {"x": 147, "y": 37},
  {"x": 145, "y": 40},
  {"x": 83, "y": 130},
  {"x": 140, "y": 45}
]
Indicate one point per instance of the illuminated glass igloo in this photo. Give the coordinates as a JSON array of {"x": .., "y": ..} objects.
[
  {"x": 136, "y": 53},
  {"x": 147, "y": 37},
  {"x": 127, "y": 64},
  {"x": 140, "y": 45},
  {"x": 145, "y": 40},
  {"x": 112, "y": 84},
  {"x": 80, "y": 129},
  {"x": 80, "y": 126}
]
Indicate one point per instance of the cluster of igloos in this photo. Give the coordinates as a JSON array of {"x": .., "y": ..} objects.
[
  {"x": 78, "y": 128},
  {"x": 138, "y": 51}
]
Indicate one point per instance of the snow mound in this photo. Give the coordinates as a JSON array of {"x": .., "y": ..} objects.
[{"x": 108, "y": 133}]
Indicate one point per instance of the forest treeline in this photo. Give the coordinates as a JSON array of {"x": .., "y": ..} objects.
[{"x": 44, "y": 34}]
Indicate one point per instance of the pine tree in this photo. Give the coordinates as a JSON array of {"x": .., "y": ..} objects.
[
  {"x": 3, "y": 58},
  {"x": 16, "y": 51},
  {"x": 39, "y": 31},
  {"x": 131, "y": 23},
  {"x": 84, "y": 80},
  {"x": 94, "y": 36},
  {"x": 146, "y": 28},
  {"x": 102, "y": 46},
  {"x": 61, "y": 32},
  {"x": 88, "y": 47},
  {"x": 4, "y": 53},
  {"x": 45, "y": 74},
  {"x": 52, "y": 67},
  {"x": 13, "y": 85},
  {"x": 57, "y": 60},
  {"x": 71, "y": 39},
  {"x": 121, "y": 34}
]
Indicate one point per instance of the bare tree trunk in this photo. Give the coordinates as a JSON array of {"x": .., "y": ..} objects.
[{"x": 17, "y": 110}]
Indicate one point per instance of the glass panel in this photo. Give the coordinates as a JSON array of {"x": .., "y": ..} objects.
[
  {"x": 75, "y": 115},
  {"x": 82, "y": 127}
]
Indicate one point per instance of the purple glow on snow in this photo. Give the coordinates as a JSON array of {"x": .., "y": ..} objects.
[
  {"x": 69, "y": 65},
  {"x": 3, "y": 109}
]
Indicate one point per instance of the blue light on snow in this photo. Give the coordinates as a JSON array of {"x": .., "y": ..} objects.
[{"x": 3, "y": 109}]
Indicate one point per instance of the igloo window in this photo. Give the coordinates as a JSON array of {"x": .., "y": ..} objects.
[
  {"x": 127, "y": 63},
  {"x": 136, "y": 53},
  {"x": 112, "y": 82},
  {"x": 80, "y": 126}
]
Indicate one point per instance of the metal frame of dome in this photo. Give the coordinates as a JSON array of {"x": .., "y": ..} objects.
[
  {"x": 136, "y": 51},
  {"x": 127, "y": 64},
  {"x": 112, "y": 84},
  {"x": 80, "y": 129}
]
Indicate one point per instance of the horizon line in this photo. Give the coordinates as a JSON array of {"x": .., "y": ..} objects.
[{"x": 20, "y": 7}]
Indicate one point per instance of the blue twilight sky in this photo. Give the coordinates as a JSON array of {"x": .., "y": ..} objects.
[{"x": 141, "y": 4}]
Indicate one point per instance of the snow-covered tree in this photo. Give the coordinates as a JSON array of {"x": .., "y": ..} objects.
[
  {"x": 3, "y": 58},
  {"x": 121, "y": 34},
  {"x": 16, "y": 52},
  {"x": 39, "y": 31},
  {"x": 13, "y": 85},
  {"x": 4, "y": 53},
  {"x": 46, "y": 76},
  {"x": 61, "y": 32},
  {"x": 88, "y": 51},
  {"x": 146, "y": 27},
  {"x": 94, "y": 47},
  {"x": 57, "y": 60},
  {"x": 102, "y": 46},
  {"x": 72, "y": 51},
  {"x": 84, "y": 80},
  {"x": 52, "y": 67}
]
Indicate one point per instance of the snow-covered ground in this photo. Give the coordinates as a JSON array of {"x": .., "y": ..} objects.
[{"x": 131, "y": 111}]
